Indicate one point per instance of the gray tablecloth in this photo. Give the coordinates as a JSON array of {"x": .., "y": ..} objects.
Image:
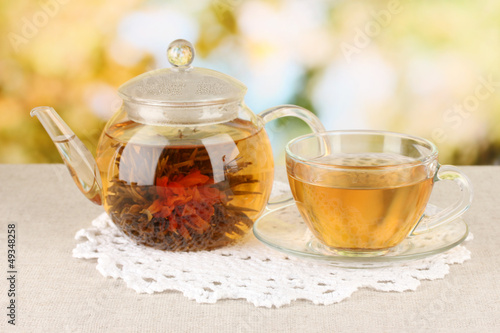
[{"x": 57, "y": 293}]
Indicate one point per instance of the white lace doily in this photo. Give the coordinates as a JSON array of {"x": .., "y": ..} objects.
[{"x": 247, "y": 270}]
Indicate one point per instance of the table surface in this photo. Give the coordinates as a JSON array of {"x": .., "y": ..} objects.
[{"x": 58, "y": 293}]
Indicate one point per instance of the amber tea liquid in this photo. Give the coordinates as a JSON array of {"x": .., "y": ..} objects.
[
  {"x": 200, "y": 189},
  {"x": 364, "y": 209}
]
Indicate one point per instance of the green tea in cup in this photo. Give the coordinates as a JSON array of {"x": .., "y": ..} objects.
[{"x": 364, "y": 192}]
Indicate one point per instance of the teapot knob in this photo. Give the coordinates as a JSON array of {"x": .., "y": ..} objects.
[{"x": 180, "y": 53}]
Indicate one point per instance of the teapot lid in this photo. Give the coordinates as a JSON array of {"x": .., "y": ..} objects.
[{"x": 182, "y": 85}]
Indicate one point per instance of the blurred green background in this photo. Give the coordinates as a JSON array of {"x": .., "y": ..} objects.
[{"x": 427, "y": 68}]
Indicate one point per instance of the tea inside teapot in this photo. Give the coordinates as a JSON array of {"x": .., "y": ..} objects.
[{"x": 200, "y": 189}]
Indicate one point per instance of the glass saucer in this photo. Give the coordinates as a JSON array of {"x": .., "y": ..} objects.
[{"x": 283, "y": 229}]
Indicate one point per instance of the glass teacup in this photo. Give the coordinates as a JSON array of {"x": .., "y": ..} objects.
[{"x": 364, "y": 192}]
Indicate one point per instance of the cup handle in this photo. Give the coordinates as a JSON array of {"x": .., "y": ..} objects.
[
  {"x": 448, "y": 172},
  {"x": 289, "y": 111}
]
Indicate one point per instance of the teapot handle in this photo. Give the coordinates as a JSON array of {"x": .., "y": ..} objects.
[
  {"x": 293, "y": 111},
  {"x": 289, "y": 111}
]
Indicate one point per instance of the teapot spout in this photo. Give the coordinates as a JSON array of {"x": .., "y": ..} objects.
[{"x": 80, "y": 162}]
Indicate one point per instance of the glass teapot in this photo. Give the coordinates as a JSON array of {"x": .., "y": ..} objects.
[{"x": 184, "y": 164}]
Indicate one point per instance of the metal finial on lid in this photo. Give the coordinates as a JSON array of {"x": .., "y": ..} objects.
[{"x": 180, "y": 53}]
